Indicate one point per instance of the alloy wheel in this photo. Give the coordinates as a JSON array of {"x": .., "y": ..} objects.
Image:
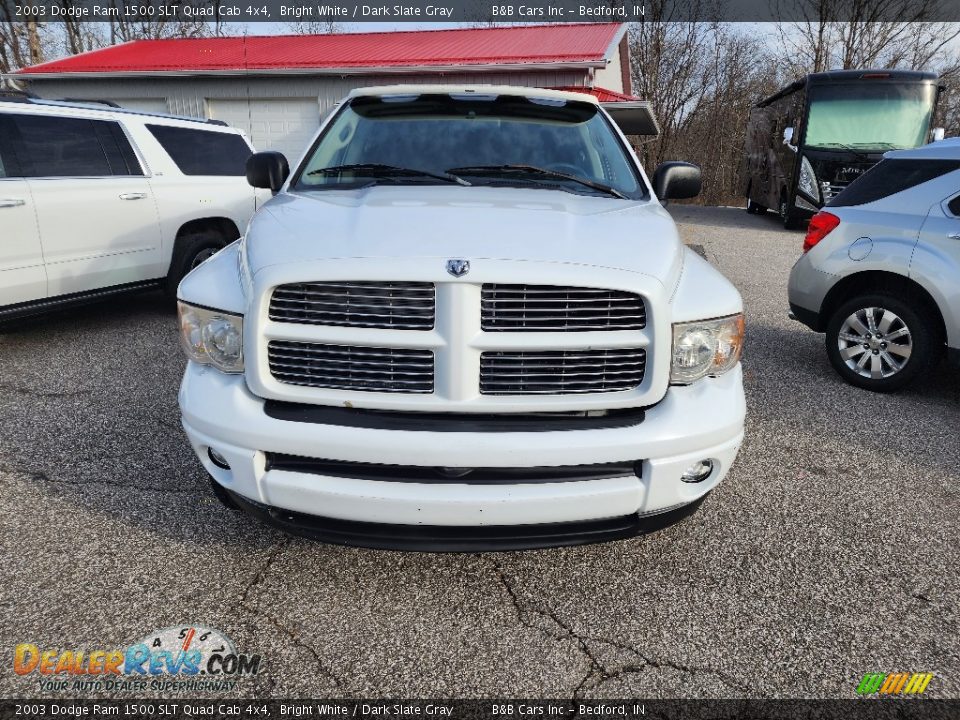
[{"x": 875, "y": 343}]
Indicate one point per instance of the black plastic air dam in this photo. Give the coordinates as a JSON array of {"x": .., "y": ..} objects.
[{"x": 445, "y": 538}]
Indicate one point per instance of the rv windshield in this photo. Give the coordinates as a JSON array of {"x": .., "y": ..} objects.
[
  {"x": 880, "y": 116},
  {"x": 471, "y": 139}
]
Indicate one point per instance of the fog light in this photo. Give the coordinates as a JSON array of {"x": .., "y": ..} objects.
[
  {"x": 221, "y": 462},
  {"x": 698, "y": 472}
]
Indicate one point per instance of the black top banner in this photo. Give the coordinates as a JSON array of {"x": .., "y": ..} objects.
[{"x": 460, "y": 11}]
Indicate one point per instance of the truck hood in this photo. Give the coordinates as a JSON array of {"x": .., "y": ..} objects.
[{"x": 536, "y": 225}]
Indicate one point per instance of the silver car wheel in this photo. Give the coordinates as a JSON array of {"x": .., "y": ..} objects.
[{"x": 875, "y": 343}]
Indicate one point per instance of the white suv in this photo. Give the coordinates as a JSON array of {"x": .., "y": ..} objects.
[
  {"x": 96, "y": 200},
  {"x": 464, "y": 322}
]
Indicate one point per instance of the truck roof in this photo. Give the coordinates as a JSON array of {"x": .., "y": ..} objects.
[
  {"x": 529, "y": 92},
  {"x": 833, "y": 76}
]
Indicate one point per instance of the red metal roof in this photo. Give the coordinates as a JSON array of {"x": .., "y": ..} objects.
[
  {"x": 601, "y": 94},
  {"x": 557, "y": 44}
]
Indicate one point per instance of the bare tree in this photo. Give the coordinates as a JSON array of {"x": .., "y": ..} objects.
[
  {"x": 315, "y": 27},
  {"x": 846, "y": 34},
  {"x": 151, "y": 24},
  {"x": 22, "y": 42}
]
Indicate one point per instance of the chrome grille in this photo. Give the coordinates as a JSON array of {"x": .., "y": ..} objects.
[
  {"x": 398, "y": 305},
  {"x": 561, "y": 372},
  {"x": 553, "y": 308},
  {"x": 351, "y": 367}
]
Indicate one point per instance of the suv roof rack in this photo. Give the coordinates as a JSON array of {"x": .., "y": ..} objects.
[
  {"x": 11, "y": 95},
  {"x": 21, "y": 96},
  {"x": 108, "y": 103}
]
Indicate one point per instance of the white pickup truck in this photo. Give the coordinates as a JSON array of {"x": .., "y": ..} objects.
[{"x": 465, "y": 321}]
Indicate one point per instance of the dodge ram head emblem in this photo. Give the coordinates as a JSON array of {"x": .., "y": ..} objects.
[{"x": 458, "y": 267}]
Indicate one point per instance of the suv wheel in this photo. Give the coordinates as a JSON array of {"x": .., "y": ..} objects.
[
  {"x": 191, "y": 251},
  {"x": 879, "y": 342}
]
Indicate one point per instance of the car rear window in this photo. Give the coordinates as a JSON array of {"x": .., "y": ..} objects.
[
  {"x": 203, "y": 152},
  {"x": 889, "y": 177},
  {"x": 954, "y": 206}
]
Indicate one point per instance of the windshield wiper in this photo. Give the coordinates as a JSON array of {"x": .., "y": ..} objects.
[
  {"x": 380, "y": 170},
  {"x": 848, "y": 148},
  {"x": 534, "y": 170}
]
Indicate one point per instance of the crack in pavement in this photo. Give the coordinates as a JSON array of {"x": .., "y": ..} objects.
[
  {"x": 299, "y": 642},
  {"x": 40, "y": 476},
  {"x": 243, "y": 604},
  {"x": 43, "y": 393},
  {"x": 261, "y": 573},
  {"x": 598, "y": 672}
]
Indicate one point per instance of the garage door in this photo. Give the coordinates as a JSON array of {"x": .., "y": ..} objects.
[
  {"x": 150, "y": 105},
  {"x": 282, "y": 125}
]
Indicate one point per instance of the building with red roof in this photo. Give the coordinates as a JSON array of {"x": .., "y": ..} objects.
[{"x": 278, "y": 87}]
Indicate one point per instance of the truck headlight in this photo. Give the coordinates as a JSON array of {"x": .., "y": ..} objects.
[
  {"x": 808, "y": 180},
  {"x": 212, "y": 337},
  {"x": 705, "y": 347}
]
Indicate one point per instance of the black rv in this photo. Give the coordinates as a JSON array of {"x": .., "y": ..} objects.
[{"x": 807, "y": 142}]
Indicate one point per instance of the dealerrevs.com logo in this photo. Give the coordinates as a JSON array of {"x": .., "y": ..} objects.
[{"x": 189, "y": 658}]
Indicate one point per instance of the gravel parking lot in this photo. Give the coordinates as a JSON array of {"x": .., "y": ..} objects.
[{"x": 830, "y": 550}]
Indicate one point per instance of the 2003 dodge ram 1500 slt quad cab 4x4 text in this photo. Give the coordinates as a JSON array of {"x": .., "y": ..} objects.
[{"x": 465, "y": 321}]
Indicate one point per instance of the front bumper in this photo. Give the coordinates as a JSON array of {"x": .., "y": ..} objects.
[{"x": 704, "y": 420}]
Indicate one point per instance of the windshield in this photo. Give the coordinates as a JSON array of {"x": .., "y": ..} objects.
[
  {"x": 471, "y": 139},
  {"x": 881, "y": 116}
]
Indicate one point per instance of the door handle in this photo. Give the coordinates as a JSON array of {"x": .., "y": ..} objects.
[
  {"x": 954, "y": 235},
  {"x": 12, "y": 202},
  {"x": 133, "y": 196}
]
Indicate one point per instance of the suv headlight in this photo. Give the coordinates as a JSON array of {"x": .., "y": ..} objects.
[
  {"x": 705, "y": 347},
  {"x": 212, "y": 337},
  {"x": 808, "y": 180}
]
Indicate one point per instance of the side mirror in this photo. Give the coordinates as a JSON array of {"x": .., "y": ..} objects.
[
  {"x": 788, "y": 136},
  {"x": 267, "y": 170},
  {"x": 938, "y": 134},
  {"x": 676, "y": 180}
]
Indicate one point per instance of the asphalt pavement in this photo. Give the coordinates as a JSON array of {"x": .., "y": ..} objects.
[{"x": 829, "y": 551}]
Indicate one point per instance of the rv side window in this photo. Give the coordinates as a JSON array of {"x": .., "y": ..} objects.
[{"x": 889, "y": 177}]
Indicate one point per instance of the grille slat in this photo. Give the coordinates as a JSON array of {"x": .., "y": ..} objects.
[
  {"x": 396, "y": 305},
  {"x": 561, "y": 372},
  {"x": 347, "y": 367},
  {"x": 550, "y": 308}
]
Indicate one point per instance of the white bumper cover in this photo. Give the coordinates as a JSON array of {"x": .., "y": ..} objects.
[{"x": 691, "y": 423}]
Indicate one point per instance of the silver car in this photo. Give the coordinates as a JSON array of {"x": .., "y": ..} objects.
[{"x": 880, "y": 273}]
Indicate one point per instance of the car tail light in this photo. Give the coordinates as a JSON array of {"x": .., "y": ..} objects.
[{"x": 821, "y": 225}]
